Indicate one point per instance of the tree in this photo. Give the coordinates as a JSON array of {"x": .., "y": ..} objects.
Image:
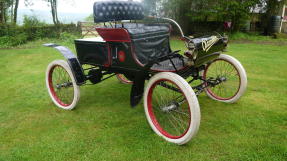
[
  {"x": 2, "y": 12},
  {"x": 4, "y": 6},
  {"x": 237, "y": 11},
  {"x": 90, "y": 18},
  {"x": 177, "y": 9},
  {"x": 9, "y": 10},
  {"x": 150, "y": 6},
  {"x": 54, "y": 10},
  {"x": 15, "y": 11}
]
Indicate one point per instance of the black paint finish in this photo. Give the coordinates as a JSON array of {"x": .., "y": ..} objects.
[
  {"x": 105, "y": 11},
  {"x": 73, "y": 62}
]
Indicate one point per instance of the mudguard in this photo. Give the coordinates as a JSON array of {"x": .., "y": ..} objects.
[{"x": 72, "y": 61}]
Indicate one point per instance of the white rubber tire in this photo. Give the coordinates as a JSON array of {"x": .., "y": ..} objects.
[
  {"x": 192, "y": 101},
  {"x": 243, "y": 79},
  {"x": 66, "y": 66}
]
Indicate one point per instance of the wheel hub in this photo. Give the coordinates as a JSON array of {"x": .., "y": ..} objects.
[
  {"x": 223, "y": 79},
  {"x": 171, "y": 107},
  {"x": 65, "y": 85}
]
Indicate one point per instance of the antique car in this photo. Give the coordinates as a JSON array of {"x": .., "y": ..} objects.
[{"x": 138, "y": 52}]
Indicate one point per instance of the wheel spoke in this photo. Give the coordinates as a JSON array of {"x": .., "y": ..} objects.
[
  {"x": 170, "y": 108},
  {"x": 223, "y": 69},
  {"x": 60, "y": 82}
]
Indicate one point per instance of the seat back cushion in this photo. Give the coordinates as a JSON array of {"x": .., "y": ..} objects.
[
  {"x": 150, "y": 41},
  {"x": 105, "y": 11},
  {"x": 151, "y": 48}
]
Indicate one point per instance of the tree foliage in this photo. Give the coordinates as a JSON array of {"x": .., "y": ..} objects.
[
  {"x": 4, "y": 6},
  {"x": 90, "y": 18},
  {"x": 150, "y": 6},
  {"x": 236, "y": 11},
  {"x": 9, "y": 11},
  {"x": 30, "y": 21}
]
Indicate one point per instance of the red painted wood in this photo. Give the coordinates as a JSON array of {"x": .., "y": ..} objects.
[{"x": 114, "y": 34}]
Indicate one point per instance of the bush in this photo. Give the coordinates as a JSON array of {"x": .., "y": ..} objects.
[
  {"x": 280, "y": 36},
  {"x": 4, "y": 41},
  {"x": 68, "y": 37},
  {"x": 248, "y": 36},
  {"x": 12, "y": 35},
  {"x": 8, "y": 41},
  {"x": 30, "y": 21}
]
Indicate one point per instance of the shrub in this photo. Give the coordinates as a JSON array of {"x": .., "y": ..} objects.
[
  {"x": 8, "y": 41},
  {"x": 68, "y": 37},
  {"x": 12, "y": 35},
  {"x": 4, "y": 41},
  {"x": 248, "y": 36},
  {"x": 30, "y": 21},
  {"x": 280, "y": 36}
]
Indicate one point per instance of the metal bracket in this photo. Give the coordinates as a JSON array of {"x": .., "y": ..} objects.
[{"x": 137, "y": 90}]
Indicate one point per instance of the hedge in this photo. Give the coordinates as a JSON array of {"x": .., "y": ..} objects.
[
  {"x": 49, "y": 31},
  {"x": 12, "y": 35}
]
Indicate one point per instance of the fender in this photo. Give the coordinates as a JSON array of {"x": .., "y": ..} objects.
[{"x": 73, "y": 62}]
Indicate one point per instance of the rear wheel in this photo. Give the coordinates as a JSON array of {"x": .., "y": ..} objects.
[
  {"x": 123, "y": 79},
  {"x": 61, "y": 85},
  {"x": 231, "y": 77},
  {"x": 171, "y": 108}
]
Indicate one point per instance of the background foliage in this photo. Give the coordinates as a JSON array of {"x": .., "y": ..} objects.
[
  {"x": 12, "y": 35},
  {"x": 235, "y": 11}
]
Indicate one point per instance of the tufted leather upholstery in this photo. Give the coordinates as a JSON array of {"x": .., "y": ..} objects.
[{"x": 105, "y": 11}]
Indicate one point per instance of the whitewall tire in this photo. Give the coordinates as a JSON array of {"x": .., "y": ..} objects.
[
  {"x": 61, "y": 85},
  {"x": 171, "y": 108}
]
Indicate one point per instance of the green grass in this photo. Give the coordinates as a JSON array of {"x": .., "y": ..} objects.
[
  {"x": 241, "y": 37},
  {"x": 104, "y": 127},
  {"x": 249, "y": 36}
]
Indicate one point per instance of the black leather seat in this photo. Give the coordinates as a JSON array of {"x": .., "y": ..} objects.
[
  {"x": 150, "y": 41},
  {"x": 138, "y": 31},
  {"x": 105, "y": 11}
]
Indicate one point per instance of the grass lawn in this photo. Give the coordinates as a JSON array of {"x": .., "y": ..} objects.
[{"x": 104, "y": 127}]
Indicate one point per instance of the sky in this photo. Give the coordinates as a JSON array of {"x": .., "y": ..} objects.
[{"x": 68, "y": 6}]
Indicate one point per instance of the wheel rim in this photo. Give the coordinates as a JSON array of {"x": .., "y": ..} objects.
[
  {"x": 169, "y": 109},
  {"x": 223, "y": 69},
  {"x": 61, "y": 86},
  {"x": 123, "y": 79}
]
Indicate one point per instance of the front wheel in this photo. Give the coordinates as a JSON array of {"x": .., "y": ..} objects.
[
  {"x": 231, "y": 78},
  {"x": 172, "y": 108},
  {"x": 61, "y": 85}
]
